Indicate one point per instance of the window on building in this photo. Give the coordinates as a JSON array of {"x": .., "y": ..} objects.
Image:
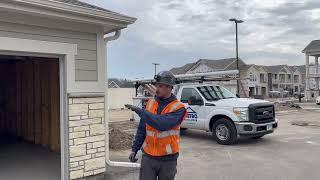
[
  {"x": 282, "y": 78},
  {"x": 262, "y": 78},
  {"x": 275, "y": 76},
  {"x": 296, "y": 78},
  {"x": 289, "y": 78},
  {"x": 251, "y": 76}
]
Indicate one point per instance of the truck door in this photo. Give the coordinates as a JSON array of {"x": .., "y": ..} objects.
[{"x": 195, "y": 106}]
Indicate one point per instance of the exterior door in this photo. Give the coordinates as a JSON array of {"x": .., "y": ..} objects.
[
  {"x": 195, "y": 107},
  {"x": 263, "y": 91},
  {"x": 251, "y": 91}
]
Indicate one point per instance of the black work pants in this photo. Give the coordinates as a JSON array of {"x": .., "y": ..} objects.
[{"x": 154, "y": 169}]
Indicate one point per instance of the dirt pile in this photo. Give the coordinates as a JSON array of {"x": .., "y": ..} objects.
[
  {"x": 120, "y": 140},
  {"x": 306, "y": 123},
  {"x": 285, "y": 106}
]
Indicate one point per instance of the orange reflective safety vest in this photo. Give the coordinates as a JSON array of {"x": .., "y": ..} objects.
[{"x": 162, "y": 143}]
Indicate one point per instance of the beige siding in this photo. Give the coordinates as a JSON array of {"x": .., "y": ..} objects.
[
  {"x": 86, "y": 60},
  {"x": 85, "y": 75}
]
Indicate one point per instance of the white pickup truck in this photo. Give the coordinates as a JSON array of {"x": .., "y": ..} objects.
[{"x": 215, "y": 109}]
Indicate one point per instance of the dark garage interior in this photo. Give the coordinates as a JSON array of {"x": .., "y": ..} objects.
[{"x": 29, "y": 118}]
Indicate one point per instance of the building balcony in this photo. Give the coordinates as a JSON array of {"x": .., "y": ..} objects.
[
  {"x": 275, "y": 81},
  {"x": 312, "y": 69},
  {"x": 314, "y": 75}
]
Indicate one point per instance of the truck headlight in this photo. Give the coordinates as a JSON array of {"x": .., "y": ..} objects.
[{"x": 242, "y": 113}]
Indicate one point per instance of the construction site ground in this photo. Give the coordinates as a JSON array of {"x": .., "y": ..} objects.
[{"x": 292, "y": 152}]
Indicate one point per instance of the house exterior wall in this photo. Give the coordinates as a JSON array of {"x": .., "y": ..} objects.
[
  {"x": 286, "y": 80},
  {"x": 86, "y": 136},
  {"x": 118, "y": 97},
  {"x": 75, "y": 36},
  {"x": 86, "y": 58}
]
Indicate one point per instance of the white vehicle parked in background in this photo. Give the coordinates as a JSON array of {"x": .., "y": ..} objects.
[
  {"x": 215, "y": 109},
  {"x": 318, "y": 100}
]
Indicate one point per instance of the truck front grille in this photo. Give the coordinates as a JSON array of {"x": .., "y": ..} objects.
[{"x": 261, "y": 113}]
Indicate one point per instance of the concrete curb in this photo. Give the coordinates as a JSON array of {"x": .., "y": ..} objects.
[{"x": 311, "y": 108}]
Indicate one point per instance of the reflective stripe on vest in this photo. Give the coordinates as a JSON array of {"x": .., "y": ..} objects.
[
  {"x": 168, "y": 149},
  {"x": 144, "y": 145},
  {"x": 174, "y": 107},
  {"x": 150, "y": 133},
  {"x": 164, "y": 134},
  {"x": 150, "y": 104}
]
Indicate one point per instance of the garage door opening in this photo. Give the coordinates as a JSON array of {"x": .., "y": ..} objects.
[{"x": 29, "y": 118}]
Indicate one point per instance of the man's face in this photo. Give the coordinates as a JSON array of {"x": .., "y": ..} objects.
[{"x": 163, "y": 90}]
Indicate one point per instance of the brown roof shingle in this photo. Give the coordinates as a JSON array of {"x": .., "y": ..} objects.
[
  {"x": 216, "y": 65},
  {"x": 83, "y": 4}
]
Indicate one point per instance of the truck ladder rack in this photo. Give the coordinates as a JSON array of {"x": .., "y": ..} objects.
[{"x": 189, "y": 78}]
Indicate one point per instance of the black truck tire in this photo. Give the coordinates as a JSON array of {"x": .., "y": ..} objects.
[{"x": 224, "y": 131}]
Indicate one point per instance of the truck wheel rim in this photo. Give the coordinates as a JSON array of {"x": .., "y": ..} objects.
[{"x": 222, "y": 132}]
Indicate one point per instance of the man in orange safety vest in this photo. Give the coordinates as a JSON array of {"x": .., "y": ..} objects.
[{"x": 158, "y": 134}]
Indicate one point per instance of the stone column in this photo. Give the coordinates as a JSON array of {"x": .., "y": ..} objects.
[
  {"x": 86, "y": 137},
  {"x": 307, "y": 91}
]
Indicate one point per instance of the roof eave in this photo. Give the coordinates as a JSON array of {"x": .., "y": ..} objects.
[{"x": 67, "y": 11}]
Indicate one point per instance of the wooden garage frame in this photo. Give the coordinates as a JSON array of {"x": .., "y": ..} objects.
[{"x": 66, "y": 55}]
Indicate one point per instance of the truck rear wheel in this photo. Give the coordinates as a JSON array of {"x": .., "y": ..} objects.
[{"x": 224, "y": 132}]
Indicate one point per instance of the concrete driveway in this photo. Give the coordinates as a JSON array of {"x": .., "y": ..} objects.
[{"x": 292, "y": 152}]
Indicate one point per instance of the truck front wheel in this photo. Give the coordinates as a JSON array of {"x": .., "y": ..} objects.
[{"x": 224, "y": 132}]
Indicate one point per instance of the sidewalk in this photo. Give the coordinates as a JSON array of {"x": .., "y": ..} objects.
[{"x": 121, "y": 173}]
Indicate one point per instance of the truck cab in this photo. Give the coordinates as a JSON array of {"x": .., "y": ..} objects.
[{"x": 215, "y": 109}]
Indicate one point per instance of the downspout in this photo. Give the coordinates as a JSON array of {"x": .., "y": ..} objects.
[{"x": 108, "y": 161}]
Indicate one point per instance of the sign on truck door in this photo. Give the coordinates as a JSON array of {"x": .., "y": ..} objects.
[{"x": 194, "y": 105}]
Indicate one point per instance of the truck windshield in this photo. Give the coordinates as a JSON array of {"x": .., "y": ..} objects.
[{"x": 213, "y": 93}]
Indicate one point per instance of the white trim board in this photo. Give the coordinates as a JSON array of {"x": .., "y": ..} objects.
[{"x": 45, "y": 48}]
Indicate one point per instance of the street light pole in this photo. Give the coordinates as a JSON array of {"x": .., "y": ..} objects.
[
  {"x": 236, "y": 21},
  {"x": 155, "y": 68},
  {"x": 237, "y": 47}
]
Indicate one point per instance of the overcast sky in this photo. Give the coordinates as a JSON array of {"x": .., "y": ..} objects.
[{"x": 176, "y": 32}]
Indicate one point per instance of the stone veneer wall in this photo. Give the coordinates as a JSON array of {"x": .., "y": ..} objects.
[{"x": 86, "y": 137}]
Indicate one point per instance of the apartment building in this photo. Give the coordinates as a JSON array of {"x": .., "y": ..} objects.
[
  {"x": 312, "y": 53},
  {"x": 255, "y": 79}
]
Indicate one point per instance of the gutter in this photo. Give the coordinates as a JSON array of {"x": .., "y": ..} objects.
[{"x": 108, "y": 161}]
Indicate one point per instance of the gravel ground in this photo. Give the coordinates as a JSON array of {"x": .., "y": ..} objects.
[{"x": 121, "y": 135}]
